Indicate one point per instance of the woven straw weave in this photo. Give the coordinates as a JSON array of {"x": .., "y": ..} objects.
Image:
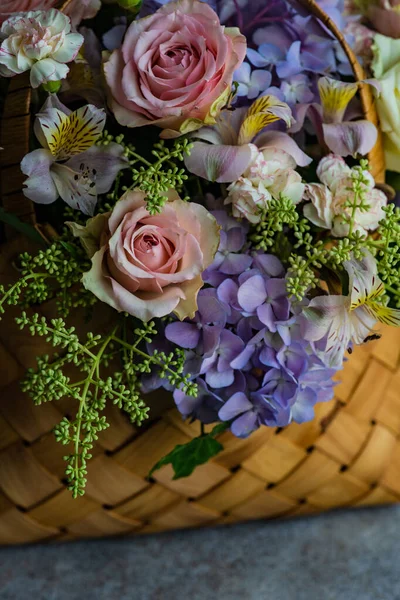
[{"x": 348, "y": 456}]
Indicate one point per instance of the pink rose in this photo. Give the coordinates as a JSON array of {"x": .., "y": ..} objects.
[
  {"x": 174, "y": 68},
  {"x": 149, "y": 266},
  {"x": 76, "y": 9}
]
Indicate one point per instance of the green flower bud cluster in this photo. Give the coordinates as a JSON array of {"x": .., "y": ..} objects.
[
  {"x": 92, "y": 386},
  {"x": 309, "y": 253}
]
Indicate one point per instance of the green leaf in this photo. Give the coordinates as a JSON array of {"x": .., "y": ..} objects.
[
  {"x": 220, "y": 428},
  {"x": 24, "y": 228},
  {"x": 184, "y": 458}
]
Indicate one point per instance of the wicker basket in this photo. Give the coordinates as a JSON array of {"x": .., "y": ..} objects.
[{"x": 348, "y": 456}]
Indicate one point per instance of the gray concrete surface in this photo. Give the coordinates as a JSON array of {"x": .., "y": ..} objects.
[{"x": 344, "y": 555}]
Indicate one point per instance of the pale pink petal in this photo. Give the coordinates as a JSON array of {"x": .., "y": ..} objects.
[
  {"x": 328, "y": 317},
  {"x": 223, "y": 164},
  {"x": 78, "y": 10},
  {"x": 363, "y": 278},
  {"x": 283, "y": 159},
  {"x": 98, "y": 282},
  {"x": 40, "y": 186},
  {"x": 120, "y": 258},
  {"x": 350, "y": 138},
  {"x": 47, "y": 70},
  {"x": 320, "y": 210},
  {"x": 283, "y": 141},
  {"x": 208, "y": 236},
  {"x": 332, "y": 169},
  {"x": 125, "y": 111},
  {"x": 107, "y": 161},
  {"x": 363, "y": 323},
  {"x": 147, "y": 305},
  {"x": 69, "y": 49},
  {"x": 129, "y": 202}
]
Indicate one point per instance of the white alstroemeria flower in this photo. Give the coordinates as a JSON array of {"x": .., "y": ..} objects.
[
  {"x": 40, "y": 41},
  {"x": 340, "y": 320},
  {"x": 69, "y": 164}
]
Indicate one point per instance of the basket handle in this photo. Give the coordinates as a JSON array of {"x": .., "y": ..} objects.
[{"x": 377, "y": 155}]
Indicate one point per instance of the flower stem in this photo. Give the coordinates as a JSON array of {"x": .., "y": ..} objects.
[
  {"x": 21, "y": 284},
  {"x": 93, "y": 369}
]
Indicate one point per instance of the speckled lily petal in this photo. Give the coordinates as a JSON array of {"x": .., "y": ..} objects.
[{"x": 67, "y": 135}]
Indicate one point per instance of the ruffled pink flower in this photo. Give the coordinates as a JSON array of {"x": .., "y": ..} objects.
[
  {"x": 40, "y": 42},
  {"x": 149, "y": 266},
  {"x": 271, "y": 174},
  {"x": 174, "y": 68},
  {"x": 329, "y": 200}
]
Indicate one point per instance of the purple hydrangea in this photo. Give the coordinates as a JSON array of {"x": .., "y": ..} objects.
[
  {"x": 288, "y": 50},
  {"x": 245, "y": 347}
]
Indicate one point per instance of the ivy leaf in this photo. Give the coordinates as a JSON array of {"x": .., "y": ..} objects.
[
  {"x": 24, "y": 228},
  {"x": 184, "y": 458}
]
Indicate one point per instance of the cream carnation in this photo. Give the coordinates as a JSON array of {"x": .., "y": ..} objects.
[
  {"x": 39, "y": 41},
  {"x": 328, "y": 207},
  {"x": 270, "y": 175}
]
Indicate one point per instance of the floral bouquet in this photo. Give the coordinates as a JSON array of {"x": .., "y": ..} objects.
[{"x": 201, "y": 169}]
